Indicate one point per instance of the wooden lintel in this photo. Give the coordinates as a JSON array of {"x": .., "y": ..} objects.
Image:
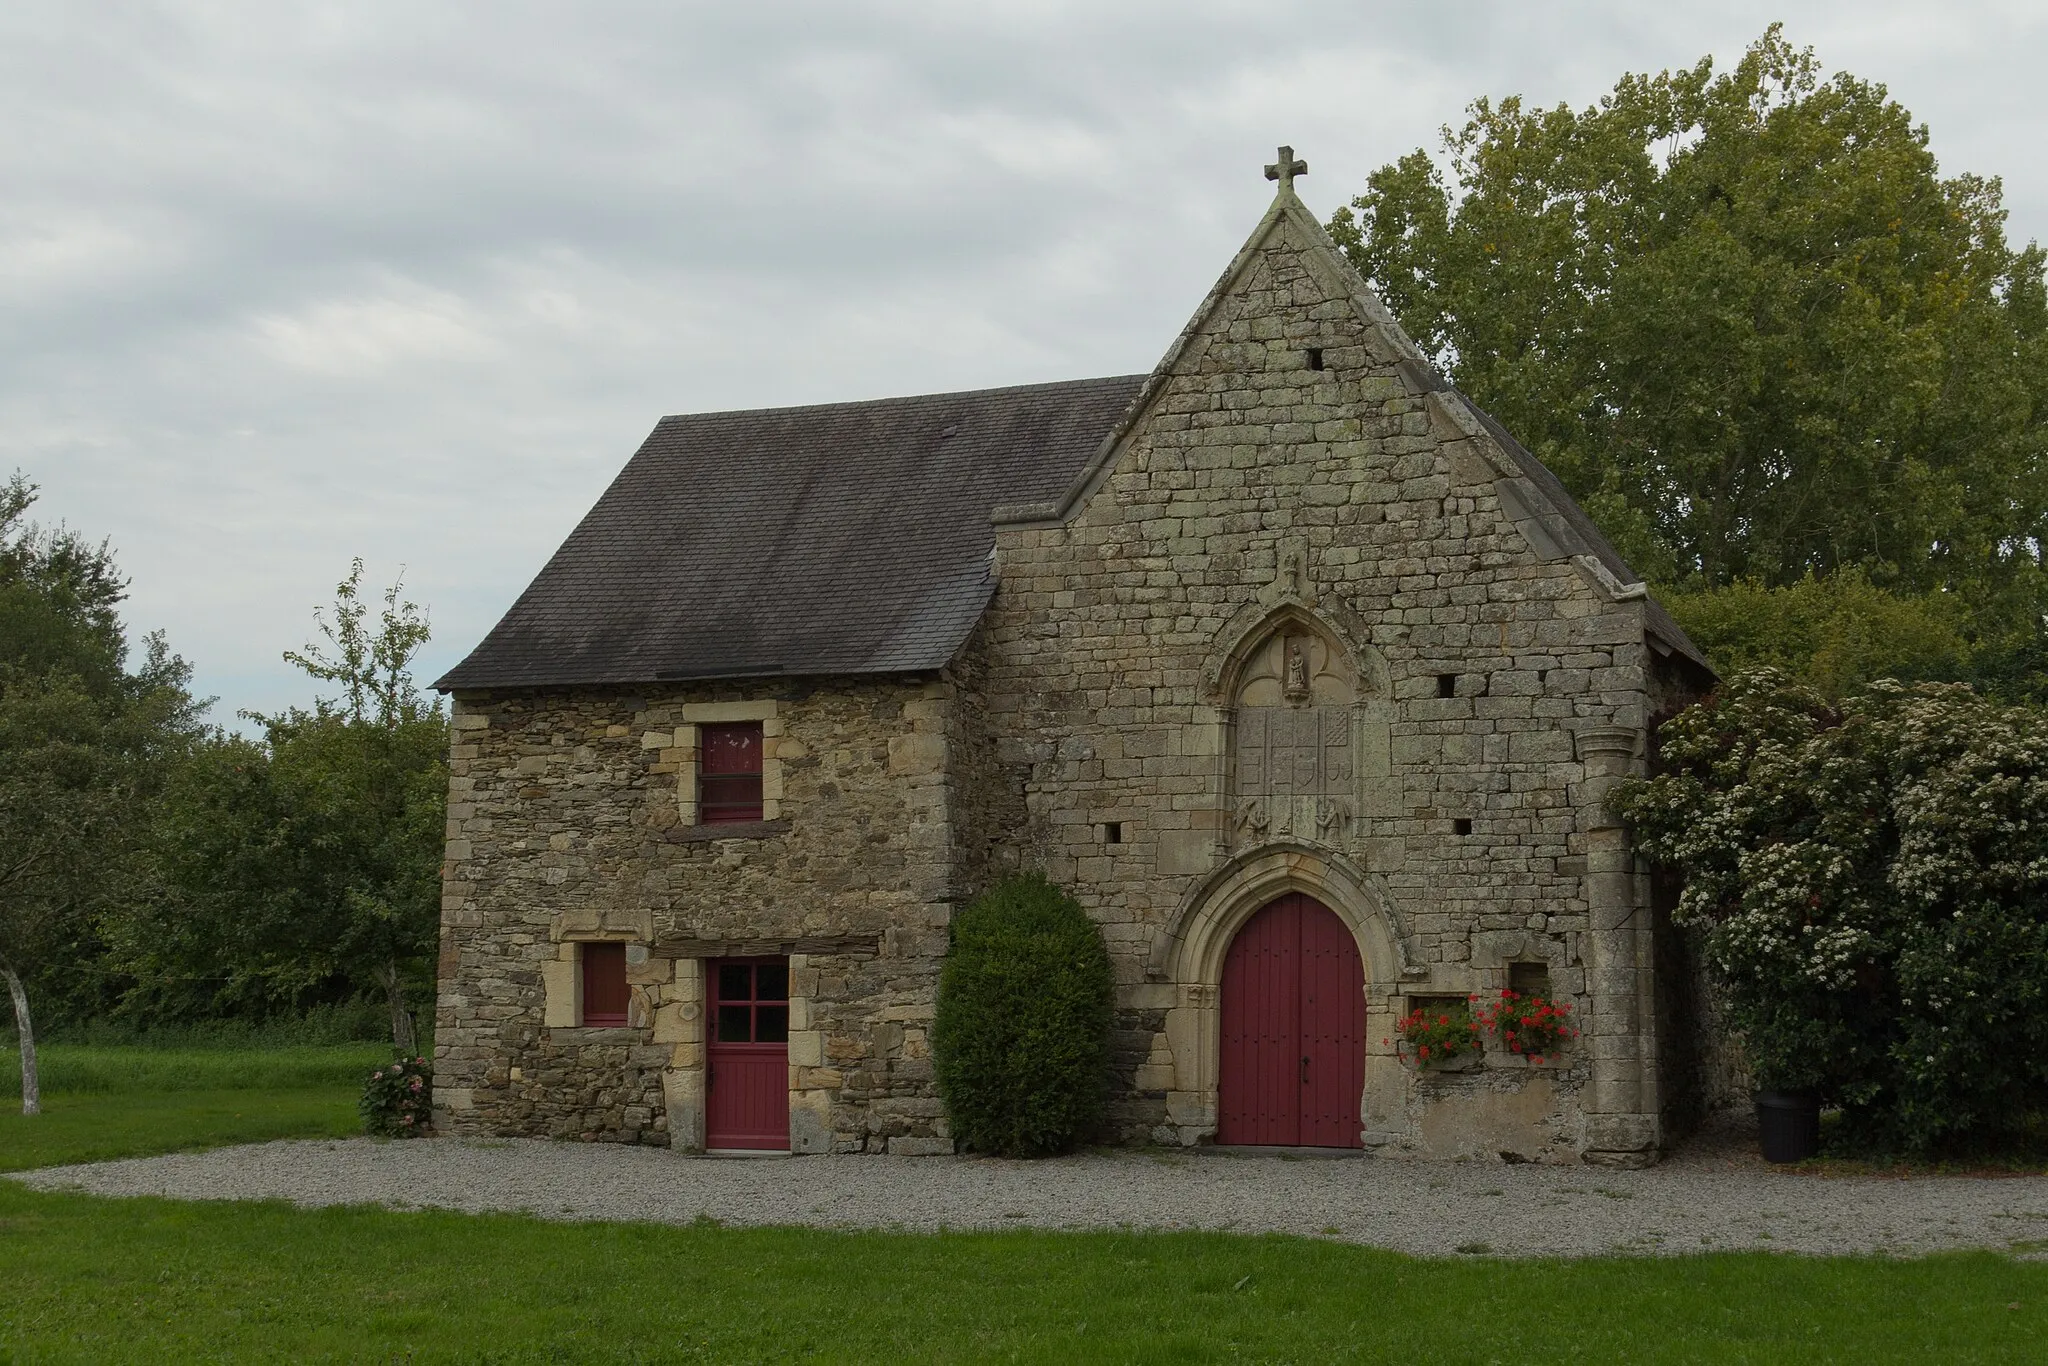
[{"x": 680, "y": 946}]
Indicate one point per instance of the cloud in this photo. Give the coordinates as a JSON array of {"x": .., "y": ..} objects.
[
  {"x": 281, "y": 285},
  {"x": 401, "y": 323}
]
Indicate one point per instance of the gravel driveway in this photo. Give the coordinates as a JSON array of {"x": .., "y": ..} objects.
[{"x": 1691, "y": 1204}]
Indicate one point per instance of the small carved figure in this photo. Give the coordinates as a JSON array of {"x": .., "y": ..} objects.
[
  {"x": 1333, "y": 814},
  {"x": 1251, "y": 818},
  {"x": 1295, "y": 683}
]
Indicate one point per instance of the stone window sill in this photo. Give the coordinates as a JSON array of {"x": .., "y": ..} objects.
[
  {"x": 1491, "y": 1062},
  {"x": 726, "y": 830},
  {"x": 597, "y": 1034}
]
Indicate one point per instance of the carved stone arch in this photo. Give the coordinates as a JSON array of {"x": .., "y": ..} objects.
[
  {"x": 1190, "y": 948},
  {"x": 1190, "y": 953},
  {"x": 1303, "y": 705},
  {"x": 1256, "y": 623}
]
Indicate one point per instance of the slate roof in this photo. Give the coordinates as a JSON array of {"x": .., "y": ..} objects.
[{"x": 843, "y": 538}]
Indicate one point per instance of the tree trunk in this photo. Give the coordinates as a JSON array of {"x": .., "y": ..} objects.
[
  {"x": 31, "y": 1085},
  {"x": 393, "y": 982}
]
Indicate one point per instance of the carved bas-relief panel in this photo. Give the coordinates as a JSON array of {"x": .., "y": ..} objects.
[{"x": 1294, "y": 741}]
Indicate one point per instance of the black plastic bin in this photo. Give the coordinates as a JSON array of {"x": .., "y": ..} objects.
[{"x": 1788, "y": 1125}]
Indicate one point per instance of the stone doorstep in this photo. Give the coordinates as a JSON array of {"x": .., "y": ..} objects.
[
  {"x": 741, "y": 1152},
  {"x": 1267, "y": 1150}
]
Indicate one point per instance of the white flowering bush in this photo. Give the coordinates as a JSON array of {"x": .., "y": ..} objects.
[{"x": 1870, "y": 879}]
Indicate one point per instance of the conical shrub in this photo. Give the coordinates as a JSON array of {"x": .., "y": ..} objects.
[{"x": 1021, "y": 1042}]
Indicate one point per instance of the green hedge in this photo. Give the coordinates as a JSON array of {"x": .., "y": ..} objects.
[{"x": 1021, "y": 1042}]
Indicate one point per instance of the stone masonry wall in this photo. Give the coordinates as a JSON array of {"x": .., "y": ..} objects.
[
  {"x": 566, "y": 823},
  {"x": 1348, "y": 484}
]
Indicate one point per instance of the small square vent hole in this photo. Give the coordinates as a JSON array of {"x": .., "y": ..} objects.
[
  {"x": 1112, "y": 832},
  {"x": 1315, "y": 358},
  {"x": 1529, "y": 979}
]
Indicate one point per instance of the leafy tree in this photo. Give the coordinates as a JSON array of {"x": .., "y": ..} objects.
[
  {"x": 1835, "y": 634},
  {"x": 82, "y": 742},
  {"x": 308, "y": 865},
  {"x": 367, "y": 776},
  {"x": 1744, "y": 319},
  {"x": 1871, "y": 881}
]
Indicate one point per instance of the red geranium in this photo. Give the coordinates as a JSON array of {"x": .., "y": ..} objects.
[
  {"x": 1437, "y": 1035},
  {"x": 1533, "y": 1026}
]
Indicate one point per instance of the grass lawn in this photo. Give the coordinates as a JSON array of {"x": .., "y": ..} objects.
[
  {"x": 86, "y": 1279},
  {"x": 129, "y": 1069},
  {"x": 96, "y": 1128},
  {"x": 93, "y": 1280},
  {"x": 102, "y": 1102}
]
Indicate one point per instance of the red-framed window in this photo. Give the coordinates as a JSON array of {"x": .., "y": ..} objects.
[
  {"x": 605, "y": 993},
  {"x": 729, "y": 772},
  {"x": 750, "y": 1000}
]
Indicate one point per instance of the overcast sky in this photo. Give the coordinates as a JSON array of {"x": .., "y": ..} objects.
[{"x": 281, "y": 284}]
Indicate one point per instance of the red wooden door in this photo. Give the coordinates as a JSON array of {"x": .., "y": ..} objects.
[
  {"x": 1292, "y": 1063},
  {"x": 746, "y": 1102}
]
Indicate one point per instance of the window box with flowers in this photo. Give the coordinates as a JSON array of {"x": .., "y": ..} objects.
[
  {"x": 1438, "y": 1034},
  {"x": 1530, "y": 1026}
]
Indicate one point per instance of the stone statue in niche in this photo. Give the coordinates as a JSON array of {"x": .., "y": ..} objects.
[
  {"x": 1292, "y": 768},
  {"x": 1296, "y": 686}
]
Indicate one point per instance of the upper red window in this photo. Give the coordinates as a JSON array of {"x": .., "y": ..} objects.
[
  {"x": 729, "y": 772},
  {"x": 605, "y": 993}
]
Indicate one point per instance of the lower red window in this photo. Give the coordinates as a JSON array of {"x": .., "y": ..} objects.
[{"x": 605, "y": 993}]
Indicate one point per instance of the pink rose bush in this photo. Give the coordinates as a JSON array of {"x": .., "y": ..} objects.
[{"x": 398, "y": 1099}]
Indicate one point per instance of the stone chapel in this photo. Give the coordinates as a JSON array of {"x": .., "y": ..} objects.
[{"x": 1299, "y": 672}]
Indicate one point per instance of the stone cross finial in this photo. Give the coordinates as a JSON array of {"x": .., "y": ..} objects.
[{"x": 1286, "y": 169}]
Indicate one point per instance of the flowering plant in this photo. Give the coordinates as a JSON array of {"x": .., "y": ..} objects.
[
  {"x": 1867, "y": 879},
  {"x": 1433, "y": 1035},
  {"x": 1533, "y": 1026},
  {"x": 398, "y": 1099}
]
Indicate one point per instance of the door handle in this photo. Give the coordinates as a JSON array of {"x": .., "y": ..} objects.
[{"x": 1304, "y": 1071}]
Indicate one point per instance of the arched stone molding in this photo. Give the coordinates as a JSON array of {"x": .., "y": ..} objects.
[
  {"x": 1331, "y": 723},
  {"x": 1257, "y": 622},
  {"x": 1191, "y": 948}
]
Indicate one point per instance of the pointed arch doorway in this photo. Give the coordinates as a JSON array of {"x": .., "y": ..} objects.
[{"x": 1292, "y": 1060}]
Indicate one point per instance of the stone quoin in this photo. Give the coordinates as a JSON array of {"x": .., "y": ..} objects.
[{"x": 1287, "y": 620}]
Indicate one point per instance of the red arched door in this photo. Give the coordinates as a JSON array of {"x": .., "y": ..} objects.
[{"x": 1293, "y": 1030}]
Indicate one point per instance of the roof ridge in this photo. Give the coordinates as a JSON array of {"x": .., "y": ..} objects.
[{"x": 840, "y": 404}]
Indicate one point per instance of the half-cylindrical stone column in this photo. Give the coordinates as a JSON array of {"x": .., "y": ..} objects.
[{"x": 1620, "y": 1121}]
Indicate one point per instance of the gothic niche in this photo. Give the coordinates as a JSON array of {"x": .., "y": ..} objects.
[{"x": 1292, "y": 750}]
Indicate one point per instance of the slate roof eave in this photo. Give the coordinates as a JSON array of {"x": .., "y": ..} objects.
[{"x": 1656, "y": 619}]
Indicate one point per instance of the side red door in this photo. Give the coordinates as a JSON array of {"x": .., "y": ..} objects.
[
  {"x": 1332, "y": 1029},
  {"x": 746, "y": 1102},
  {"x": 1292, "y": 1062}
]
